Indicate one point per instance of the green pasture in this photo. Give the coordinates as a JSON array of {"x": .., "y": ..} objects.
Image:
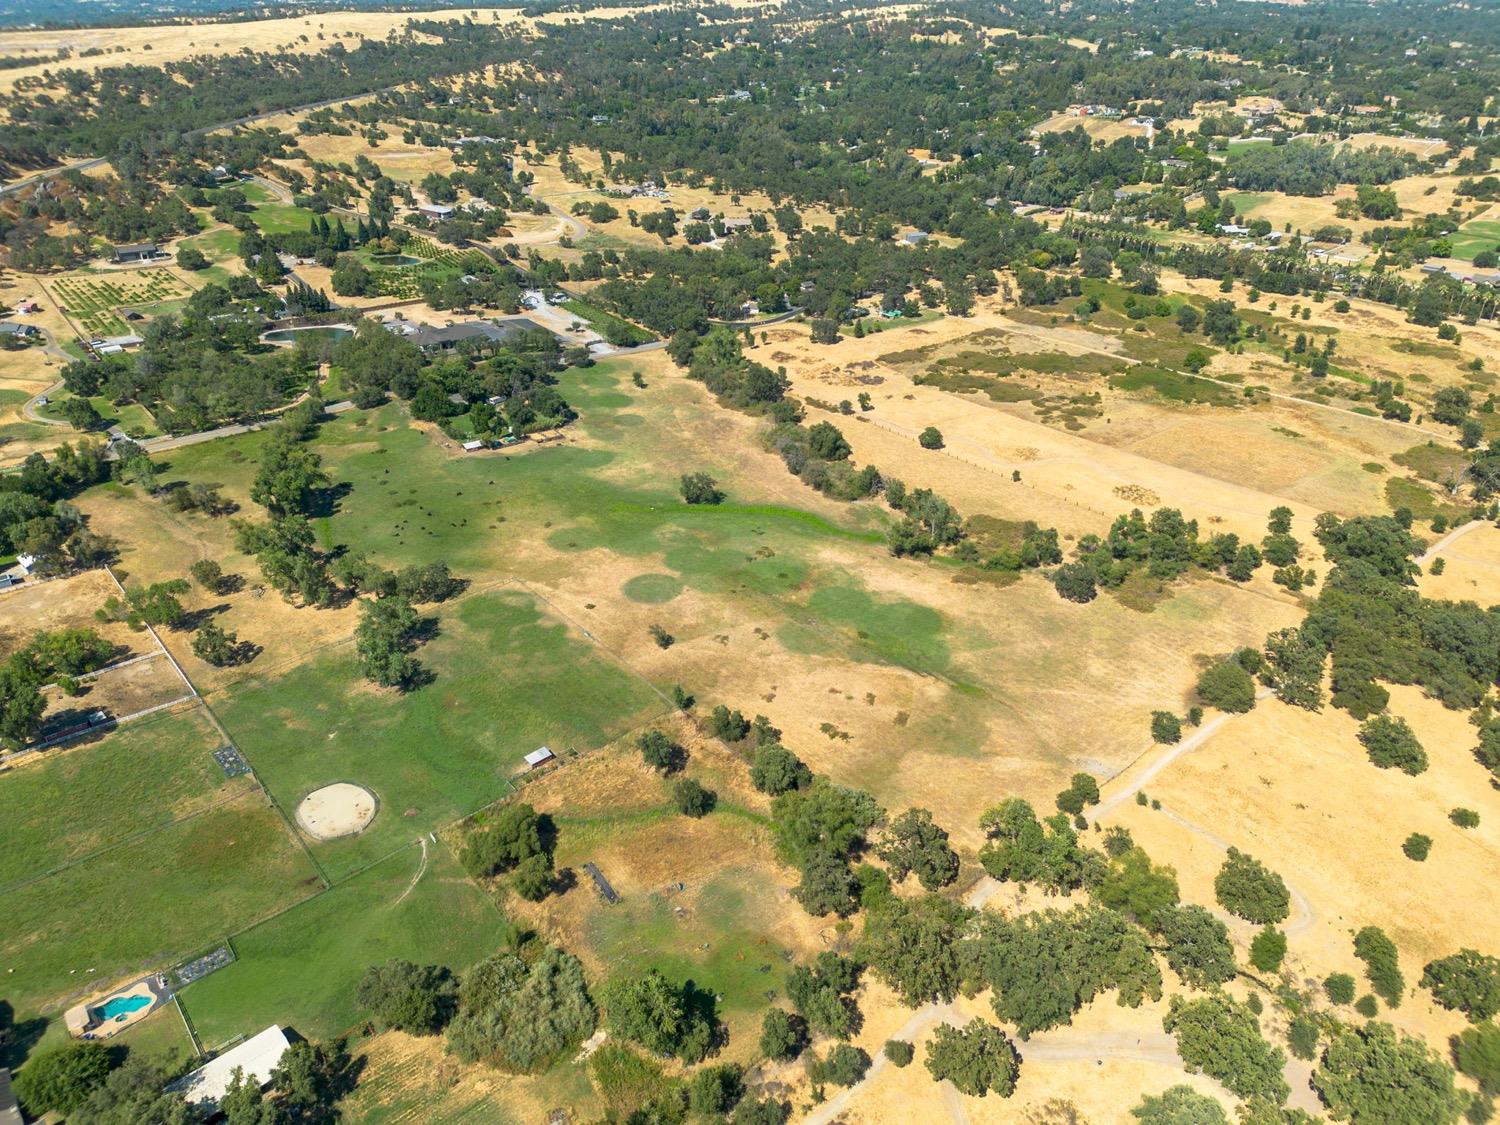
[
  {"x": 508, "y": 678},
  {"x": 137, "y": 779},
  {"x": 300, "y": 969},
  {"x": 148, "y": 902},
  {"x": 1471, "y": 238},
  {"x": 282, "y": 218}
]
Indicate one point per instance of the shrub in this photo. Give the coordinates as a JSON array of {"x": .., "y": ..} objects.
[
  {"x": 931, "y": 438},
  {"x": 693, "y": 799},
  {"x": 1082, "y": 792},
  {"x": 783, "y": 1036},
  {"x": 1382, "y": 964},
  {"x": 1302, "y": 1037},
  {"x": 1075, "y": 582},
  {"x": 417, "y": 999},
  {"x": 660, "y": 752},
  {"x": 900, "y": 1052},
  {"x": 1367, "y": 1007},
  {"x": 715, "y": 1090},
  {"x": 727, "y": 725},
  {"x": 1417, "y": 846},
  {"x": 1166, "y": 728},
  {"x": 1391, "y": 743},
  {"x": 1227, "y": 686},
  {"x": 700, "y": 488},
  {"x": 1247, "y": 888},
  {"x": 209, "y": 575},
  {"x": 1268, "y": 949},
  {"x": 776, "y": 770},
  {"x": 843, "y": 1066},
  {"x": 1339, "y": 987},
  {"x": 1464, "y": 818}
]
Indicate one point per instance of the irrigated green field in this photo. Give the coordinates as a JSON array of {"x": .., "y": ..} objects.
[
  {"x": 1471, "y": 238},
  {"x": 508, "y": 679},
  {"x": 300, "y": 969},
  {"x": 77, "y": 802},
  {"x": 149, "y": 902}
]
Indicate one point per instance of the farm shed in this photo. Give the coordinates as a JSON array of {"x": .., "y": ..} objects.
[
  {"x": 539, "y": 757},
  {"x": 136, "y": 252},
  {"x": 256, "y": 1057}
]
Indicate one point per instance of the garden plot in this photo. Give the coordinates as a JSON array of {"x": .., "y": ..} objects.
[{"x": 94, "y": 302}]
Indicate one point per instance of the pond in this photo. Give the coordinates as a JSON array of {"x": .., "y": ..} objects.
[
  {"x": 394, "y": 260},
  {"x": 330, "y": 332}
]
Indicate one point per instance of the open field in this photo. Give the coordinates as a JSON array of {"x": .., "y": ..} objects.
[
  {"x": 140, "y": 778},
  {"x": 919, "y": 681},
  {"x": 447, "y": 749},
  {"x": 732, "y": 926},
  {"x": 1418, "y": 195},
  {"x": 400, "y": 161},
  {"x": 300, "y": 968},
  {"x": 149, "y": 902},
  {"x": 551, "y": 187},
  {"x": 66, "y": 604},
  {"x": 1240, "y": 787}
]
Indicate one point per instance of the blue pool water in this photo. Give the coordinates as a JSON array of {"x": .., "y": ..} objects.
[
  {"x": 118, "y": 1007},
  {"x": 317, "y": 332}
]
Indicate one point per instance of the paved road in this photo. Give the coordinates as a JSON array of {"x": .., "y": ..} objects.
[{"x": 164, "y": 444}]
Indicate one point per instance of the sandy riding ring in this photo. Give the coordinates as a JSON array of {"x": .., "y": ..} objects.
[{"x": 340, "y": 809}]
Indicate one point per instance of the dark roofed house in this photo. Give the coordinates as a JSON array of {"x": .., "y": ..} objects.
[
  {"x": 482, "y": 331},
  {"x": 136, "y": 252},
  {"x": 14, "y": 328}
]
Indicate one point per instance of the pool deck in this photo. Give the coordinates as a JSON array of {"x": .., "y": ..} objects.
[{"x": 84, "y": 1022}]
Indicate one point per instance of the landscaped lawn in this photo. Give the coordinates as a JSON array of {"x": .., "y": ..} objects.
[
  {"x": 149, "y": 902},
  {"x": 508, "y": 678},
  {"x": 1471, "y": 238},
  {"x": 77, "y": 801},
  {"x": 300, "y": 969},
  {"x": 282, "y": 218}
]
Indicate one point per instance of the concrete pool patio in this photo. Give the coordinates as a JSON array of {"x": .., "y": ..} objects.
[{"x": 109, "y": 1014}]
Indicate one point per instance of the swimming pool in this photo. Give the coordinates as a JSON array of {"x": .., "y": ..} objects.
[
  {"x": 119, "y": 1007},
  {"x": 316, "y": 332}
]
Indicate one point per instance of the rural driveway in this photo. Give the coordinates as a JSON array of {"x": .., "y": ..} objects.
[
  {"x": 30, "y": 407},
  {"x": 1447, "y": 540},
  {"x": 164, "y": 444},
  {"x": 1069, "y": 1045}
]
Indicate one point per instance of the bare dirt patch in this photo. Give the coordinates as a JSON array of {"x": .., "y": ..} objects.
[
  {"x": 66, "y": 603},
  {"x": 340, "y": 809}
]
